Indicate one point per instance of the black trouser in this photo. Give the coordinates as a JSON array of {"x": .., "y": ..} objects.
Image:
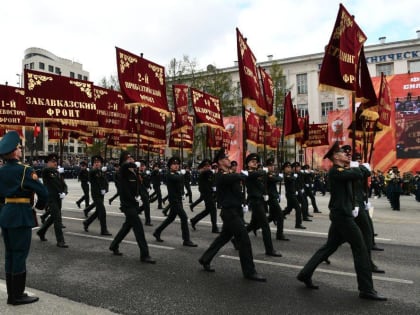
[
  {"x": 344, "y": 230},
  {"x": 176, "y": 209},
  {"x": 195, "y": 203},
  {"x": 132, "y": 221},
  {"x": 99, "y": 213},
  {"x": 293, "y": 203},
  {"x": 85, "y": 197},
  {"x": 54, "y": 209},
  {"x": 308, "y": 193},
  {"x": 146, "y": 207},
  {"x": 113, "y": 197},
  {"x": 210, "y": 208},
  {"x": 276, "y": 215},
  {"x": 158, "y": 192},
  {"x": 259, "y": 220},
  {"x": 189, "y": 192},
  {"x": 233, "y": 226},
  {"x": 303, "y": 204},
  {"x": 362, "y": 220}
]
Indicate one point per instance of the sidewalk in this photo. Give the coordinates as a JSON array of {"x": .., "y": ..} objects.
[{"x": 48, "y": 304}]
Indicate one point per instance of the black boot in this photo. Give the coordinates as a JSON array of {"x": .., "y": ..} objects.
[{"x": 17, "y": 287}]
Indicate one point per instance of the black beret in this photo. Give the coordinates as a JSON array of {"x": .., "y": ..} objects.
[
  {"x": 51, "y": 157},
  {"x": 124, "y": 156},
  {"x": 346, "y": 148},
  {"x": 220, "y": 155},
  {"x": 295, "y": 164},
  {"x": 252, "y": 156},
  {"x": 97, "y": 158},
  {"x": 205, "y": 162},
  {"x": 334, "y": 148},
  {"x": 9, "y": 142},
  {"x": 174, "y": 160},
  {"x": 286, "y": 164},
  {"x": 306, "y": 167},
  {"x": 269, "y": 162},
  {"x": 83, "y": 163}
]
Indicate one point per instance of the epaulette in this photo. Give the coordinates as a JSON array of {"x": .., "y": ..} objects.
[{"x": 340, "y": 169}]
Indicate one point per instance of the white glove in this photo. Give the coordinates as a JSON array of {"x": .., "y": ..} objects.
[
  {"x": 147, "y": 172},
  {"x": 295, "y": 175},
  {"x": 281, "y": 175},
  {"x": 103, "y": 191},
  {"x": 245, "y": 208},
  {"x": 307, "y": 185},
  {"x": 265, "y": 197},
  {"x": 368, "y": 205},
  {"x": 138, "y": 199},
  {"x": 213, "y": 171},
  {"x": 214, "y": 188},
  {"x": 367, "y": 165},
  {"x": 104, "y": 168},
  {"x": 265, "y": 169},
  {"x": 307, "y": 171},
  {"x": 137, "y": 163},
  {"x": 183, "y": 172},
  {"x": 297, "y": 193},
  {"x": 87, "y": 169},
  {"x": 60, "y": 170},
  {"x": 355, "y": 212},
  {"x": 354, "y": 164},
  {"x": 62, "y": 195},
  {"x": 279, "y": 198},
  {"x": 302, "y": 191},
  {"x": 244, "y": 172},
  {"x": 148, "y": 190}
]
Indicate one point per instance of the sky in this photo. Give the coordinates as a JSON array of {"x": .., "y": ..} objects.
[{"x": 204, "y": 30}]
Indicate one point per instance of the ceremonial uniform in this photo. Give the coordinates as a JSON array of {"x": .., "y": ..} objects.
[
  {"x": 308, "y": 181},
  {"x": 156, "y": 179},
  {"x": 187, "y": 184},
  {"x": 275, "y": 212},
  {"x": 144, "y": 192},
  {"x": 57, "y": 189},
  {"x": 300, "y": 189},
  {"x": 291, "y": 196},
  {"x": 117, "y": 180},
  {"x": 83, "y": 178},
  {"x": 18, "y": 183},
  {"x": 129, "y": 193}
]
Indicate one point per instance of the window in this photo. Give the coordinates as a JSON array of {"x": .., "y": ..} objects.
[
  {"x": 302, "y": 83},
  {"x": 327, "y": 107},
  {"x": 85, "y": 78},
  {"x": 31, "y": 65},
  {"x": 72, "y": 75},
  {"x": 302, "y": 110},
  {"x": 51, "y": 68},
  {"x": 79, "y": 150},
  {"x": 71, "y": 149},
  {"x": 57, "y": 70},
  {"x": 340, "y": 102},
  {"x": 414, "y": 66},
  {"x": 386, "y": 68},
  {"x": 41, "y": 65},
  {"x": 79, "y": 76}
]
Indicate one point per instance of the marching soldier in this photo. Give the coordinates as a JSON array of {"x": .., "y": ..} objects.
[
  {"x": 301, "y": 191},
  {"x": 308, "y": 181},
  {"x": 83, "y": 178},
  {"x": 129, "y": 195},
  {"x": 343, "y": 227},
  {"x": 156, "y": 179},
  {"x": 257, "y": 194},
  {"x": 175, "y": 185},
  {"x": 292, "y": 194},
  {"x": 187, "y": 183},
  {"x": 117, "y": 179},
  {"x": 57, "y": 190},
  {"x": 99, "y": 187},
  {"x": 18, "y": 183},
  {"x": 144, "y": 176}
]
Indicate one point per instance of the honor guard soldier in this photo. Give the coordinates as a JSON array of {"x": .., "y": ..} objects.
[
  {"x": 343, "y": 227},
  {"x": 303, "y": 201},
  {"x": 187, "y": 183},
  {"x": 99, "y": 187},
  {"x": 156, "y": 179},
  {"x": 229, "y": 192},
  {"x": 308, "y": 181},
  {"x": 275, "y": 212},
  {"x": 117, "y": 180},
  {"x": 257, "y": 195},
  {"x": 205, "y": 187},
  {"x": 83, "y": 178},
  {"x": 129, "y": 197},
  {"x": 57, "y": 190},
  {"x": 175, "y": 185},
  {"x": 18, "y": 183},
  {"x": 144, "y": 175},
  {"x": 292, "y": 194}
]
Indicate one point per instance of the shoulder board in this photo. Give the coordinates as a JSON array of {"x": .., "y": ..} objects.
[
  {"x": 34, "y": 176},
  {"x": 340, "y": 169}
]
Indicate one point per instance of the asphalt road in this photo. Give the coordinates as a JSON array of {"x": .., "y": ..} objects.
[{"x": 87, "y": 279}]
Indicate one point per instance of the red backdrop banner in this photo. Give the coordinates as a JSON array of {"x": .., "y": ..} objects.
[{"x": 12, "y": 107}]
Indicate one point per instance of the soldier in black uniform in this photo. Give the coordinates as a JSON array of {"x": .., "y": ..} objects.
[
  {"x": 257, "y": 194},
  {"x": 83, "y": 178},
  {"x": 187, "y": 183},
  {"x": 144, "y": 176},
  {"x": 117, "y": 180},
  {"x": 343, "y": 227},
  {"x": 308, "y": 181},
  {"x": 156, "y": 179},
  {"x": 129, "y": 196},
  {"x": 18, "y": 183},
  {"x": 175, "y": 184},
  {"x": 57, "y": 190},
  {"x": 230, "y": 196},
  {"x": 300, "y": 188},
  {"x": 205, "y": 187},
  {"x": 275, "y": 212},
  {"x": 99, "y": 187},
  {"x": 292, "y": 194}
]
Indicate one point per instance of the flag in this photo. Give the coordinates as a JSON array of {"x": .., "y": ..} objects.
[
  {"x": 365, "y": 92},
  {"x": 290, "y": 120},
  {"x": 180, "y": 92},
  {"x": 268, "y": 90},
  {"x": 384, "y": 104},
  {"x": 37, "y": 130},
  {"x": 252, "y": 126},
  {"x": 339, "y": 67},
  {"x": 207, "y": 109},
  {"x": 248, "y": 76}
]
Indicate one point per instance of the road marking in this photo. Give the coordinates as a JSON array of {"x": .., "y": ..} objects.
[
  {"x": 110, "y": 239},
  {"x": 340, "y": 273}
]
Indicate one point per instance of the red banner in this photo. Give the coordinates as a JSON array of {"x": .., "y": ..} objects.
[
  {"x": 384, "y": 104},
  {"x": 290, "y": 121},
  {"x": 214, "y": 138},
  {"x": 60, "y": 99},
  {"x": 187, "y": 135},
  {"x": 340, "y": 64},
  {"x": 180, "y": 92},
  {"x": 252, "y": 126},
  {"x": 54, "y": 135},
  {"x": 274, "y": 138},
  {"x": 12, "y": 107},
  {"x": 248, "y": 76},
  {"x": 226, "y": 140},
  {"x": 142, "y": 82},
  {"x": 317, "y": 135},
  {"x": 234, "y": 129},
  {"x": 152, "y": 125},
  {"x": 268, "y": 90},
  {"x": 207, "y": 109}
]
